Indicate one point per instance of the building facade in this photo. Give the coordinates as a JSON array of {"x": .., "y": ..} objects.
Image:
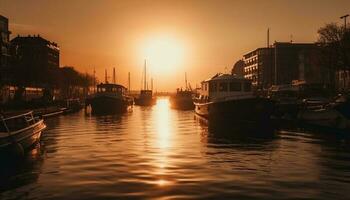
[
  {"x": 34, "y": 59},
  {"x": 4, "y": 49},
  {"x": 285, "y": 63},
  {"x": 258, "y": 67}
]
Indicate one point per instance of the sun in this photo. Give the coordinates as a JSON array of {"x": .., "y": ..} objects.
[{"x": 163, "y": 54}]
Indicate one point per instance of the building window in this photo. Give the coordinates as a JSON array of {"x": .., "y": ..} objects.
[
  {"x": 235, "y": 86},
  {"x": 223, "y": 87}
]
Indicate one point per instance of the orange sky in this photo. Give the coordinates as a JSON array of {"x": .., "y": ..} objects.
[{"x": 198, "y": 37}]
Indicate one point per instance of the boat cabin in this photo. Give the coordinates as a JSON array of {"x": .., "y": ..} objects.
[
  {"x": 224, "y": 86},
  {"x": 146, "y": 93},
  {"x": 111, "y": 88}
]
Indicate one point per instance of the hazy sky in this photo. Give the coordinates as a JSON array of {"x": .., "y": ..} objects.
[{"x": 198, "y": 37}]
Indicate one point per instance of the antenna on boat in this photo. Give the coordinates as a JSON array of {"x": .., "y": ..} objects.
[{"x": 113, "y": 75}]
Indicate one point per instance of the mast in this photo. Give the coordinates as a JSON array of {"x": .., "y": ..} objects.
[
  {"x": 186, "y": 80},
  {"x": 106, "y": 76},
  {"x": 145, "y": 76},
  {"x": 268, "y": 37},
  {"x": 94, "y": 80},
  {"x": 129, "y": 82},
  {"x": 152, "y": 84},
  {"x": 113, "y": 75}
]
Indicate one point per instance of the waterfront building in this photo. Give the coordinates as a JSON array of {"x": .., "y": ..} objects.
[
  {"x": 258, "y": 67},
  {"x": 34, "y": 59},
  {"x": 4, "y": 49},
  {"x": 286, "y": 63}
]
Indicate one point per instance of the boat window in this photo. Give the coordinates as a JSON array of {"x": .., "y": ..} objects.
[
  {"x": 247, "y": 87},
  {"x": 235, "y": 86},
  {"x": 205, "y": 86},
  {"x": 2, "y": 127},
  {"x": 223, "y": 87}
]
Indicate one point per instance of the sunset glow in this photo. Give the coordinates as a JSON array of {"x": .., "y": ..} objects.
[{"x": 163, "y": 54}]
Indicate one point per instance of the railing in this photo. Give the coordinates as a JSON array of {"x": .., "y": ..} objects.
[{"x": 18, "y": 121}]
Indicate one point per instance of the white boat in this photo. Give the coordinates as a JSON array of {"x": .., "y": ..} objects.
[
  {"x": 21, "y": 131},
  {"x": 226, "y": 97}
]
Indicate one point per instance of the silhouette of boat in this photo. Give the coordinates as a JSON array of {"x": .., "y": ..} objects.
[
  {"x": 110, "y": 98},
  {"x": 229, "y": 98},
  {"x": 182, "y": 100},
  {"x": 146, "y": 96},
  {"x": 20, "y": 131}
]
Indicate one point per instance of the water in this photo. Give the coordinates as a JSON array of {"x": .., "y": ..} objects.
[{"x": 160, "y": 153}]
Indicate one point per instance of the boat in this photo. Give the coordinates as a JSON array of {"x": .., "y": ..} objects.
[
  {"x": 229, "y": 99},
  {"x": 318, "y": 112},
  {"x": 110, "y": 98},
  {"x": 146, "y": 96},
  {"x": 182, "y": 100},
  {"x": 20, "y": 131},
  {"x": 287, "y": 101}
]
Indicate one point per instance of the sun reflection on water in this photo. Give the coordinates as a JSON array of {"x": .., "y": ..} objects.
[
  {"x": 163, "y": 141},
  {"x": 163, "y": 123}
]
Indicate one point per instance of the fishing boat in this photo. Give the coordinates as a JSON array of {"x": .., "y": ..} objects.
[
  {"x": 20, "y": 131},
  {"x": 110, "y": 98},
  {"x": 230, "y": 98},
  {"x": 182, "y": 99},
  {"x": 146, "y": 96}
]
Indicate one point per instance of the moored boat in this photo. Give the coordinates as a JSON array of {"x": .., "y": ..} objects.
[
  {"x": 110, "y": 98},
  {"x": 145, "y": 98},
  {"x": 229, "y": 98},
  {"x": 20, "y": 131},
  {"x": 182, "y": 100}
]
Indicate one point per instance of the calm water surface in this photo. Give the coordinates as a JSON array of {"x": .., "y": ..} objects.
[{"x": 160, "y": 153}]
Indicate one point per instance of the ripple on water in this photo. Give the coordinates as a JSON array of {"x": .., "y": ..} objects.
[{"x": 158, "y": 152}]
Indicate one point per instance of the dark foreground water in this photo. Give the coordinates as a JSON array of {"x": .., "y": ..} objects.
[{"x": 160, "y": 153}]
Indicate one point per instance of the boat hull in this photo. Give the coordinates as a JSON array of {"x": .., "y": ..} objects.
[
  {"x": 26, "y": 137},
  {"x": 249, "y": 111},
  {"x": 181, "y": 103},
  {"x": 145, "y": 101},
  {"x": 104, "y": 104}
]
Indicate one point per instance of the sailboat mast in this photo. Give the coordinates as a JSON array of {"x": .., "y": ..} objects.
[
  {"x": 113, "y": 75},
  {"x": 186, "y": 80},
  {"x": 94, "y": 80},
  {"x": 152, "y": 84},
  {"x": 105, "y": 75},
  {"x": 129, "y": 82},
  {"x": 144, "y": 80}
]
